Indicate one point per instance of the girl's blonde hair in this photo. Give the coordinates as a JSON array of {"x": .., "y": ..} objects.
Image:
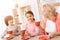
[{"x": 51, "y": 11}]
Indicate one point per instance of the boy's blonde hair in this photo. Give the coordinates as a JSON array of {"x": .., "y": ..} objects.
[{"x": 50, "y": 10}]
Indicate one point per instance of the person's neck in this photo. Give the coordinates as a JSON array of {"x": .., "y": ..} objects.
[{"x": 31, "y": 22}]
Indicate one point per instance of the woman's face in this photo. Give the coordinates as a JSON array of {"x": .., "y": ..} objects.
[
  {"x": 29, "y": 17},
  {"x": 48, "y": 14},
  {"x": 45, "y": 12}
]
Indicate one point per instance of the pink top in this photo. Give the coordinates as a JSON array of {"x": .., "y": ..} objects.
[
  {"x": 58, "y": 23},
  {"x": 32, "y": 29}
]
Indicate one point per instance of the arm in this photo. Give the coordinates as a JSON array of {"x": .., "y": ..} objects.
[
  {"x": 42, "y": 31},
  {"x": 54, "y": 34},
  {"x": 26, "y": 32},
  {"x": 57, "y": 33}
]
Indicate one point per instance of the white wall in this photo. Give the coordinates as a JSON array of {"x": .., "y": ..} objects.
[
  {"x": 5, "y": 9},
  {"x": 48, "y": 1}
]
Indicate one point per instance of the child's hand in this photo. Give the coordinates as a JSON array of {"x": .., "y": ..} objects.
[
  {"x": 26, "y": 33},
  {"x": 11, "y": 36}
]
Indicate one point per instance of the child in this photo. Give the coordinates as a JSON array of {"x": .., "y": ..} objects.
[
  {"x": 10, "y": 31},
  {"x": 32, "y": 29},
  {"x": 52, "y": 17}
]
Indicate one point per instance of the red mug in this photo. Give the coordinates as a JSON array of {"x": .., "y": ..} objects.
[
  {"x": 22, "y": 32},
  {"x": 37, "y": 23},
  {"x": 10, "y": 32}
]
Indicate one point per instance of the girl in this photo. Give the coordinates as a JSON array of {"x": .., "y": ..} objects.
[
  {"x": 30, "y": 26},
  {"x": 32, "y": 29},
  {"x": 51, "y": 15},
  {"x": 11, "y": 29}
]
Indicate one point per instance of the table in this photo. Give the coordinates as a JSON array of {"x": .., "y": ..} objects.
[
  {"x": 19, "y": 38},
  {"x": 56, "y": 38}
]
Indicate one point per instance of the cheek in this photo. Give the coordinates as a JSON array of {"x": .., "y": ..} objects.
[
  {"x": 45, "y": 13},
  {"x": 11, "y": 22},
  {"x": 30, "y": 18}
]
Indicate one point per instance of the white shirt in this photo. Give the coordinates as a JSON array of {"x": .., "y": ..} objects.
[
  {"x": 9, "y": 28},
  {"x": 50, "y": 26}
]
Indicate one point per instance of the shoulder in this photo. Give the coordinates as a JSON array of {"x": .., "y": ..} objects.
[{"x": 58, "y": 15}]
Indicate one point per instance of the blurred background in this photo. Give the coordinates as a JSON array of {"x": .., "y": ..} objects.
[{"x": 7, "y": 7}]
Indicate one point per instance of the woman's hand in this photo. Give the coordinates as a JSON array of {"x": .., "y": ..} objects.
[
  {"x": 52, "y": 35},
  {"x": 44, "y": 37}
]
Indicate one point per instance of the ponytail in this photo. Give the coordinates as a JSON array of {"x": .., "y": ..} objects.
[{"x": 34, "y": 19}]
